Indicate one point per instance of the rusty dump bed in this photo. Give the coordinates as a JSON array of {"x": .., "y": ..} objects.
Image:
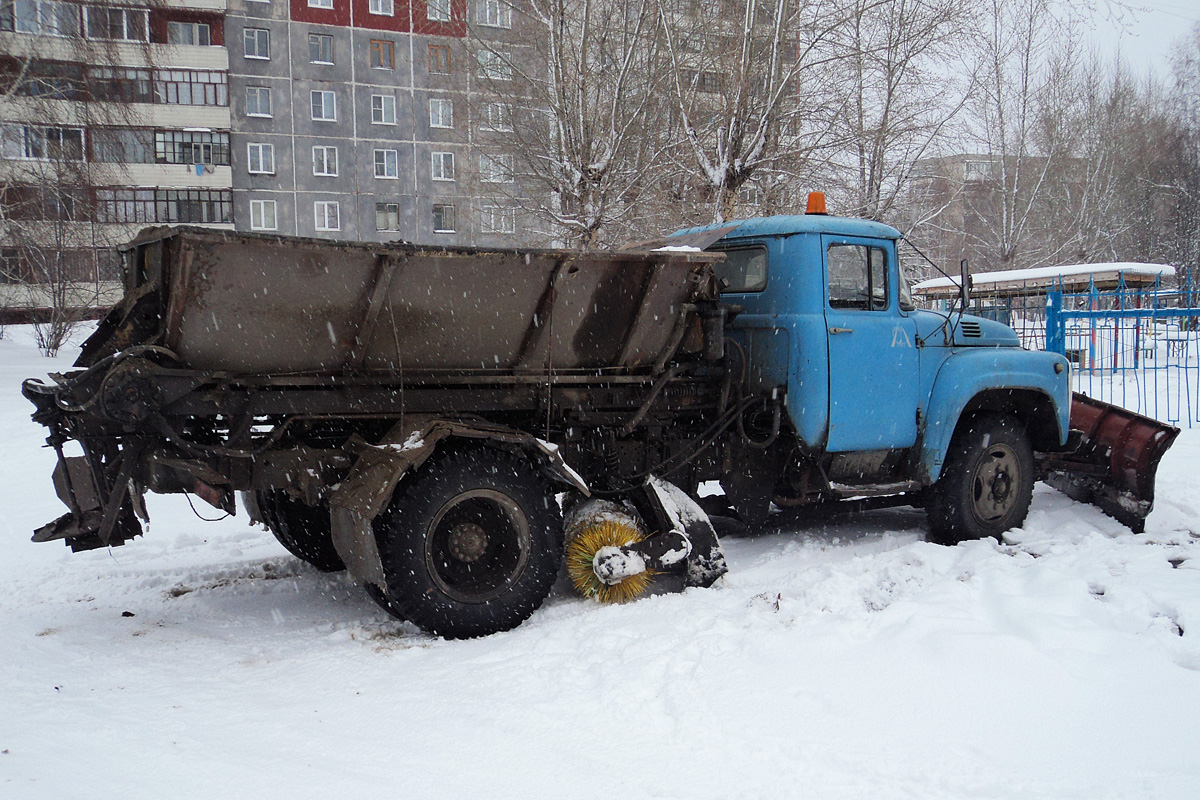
[{"x": 252, "y": 304}]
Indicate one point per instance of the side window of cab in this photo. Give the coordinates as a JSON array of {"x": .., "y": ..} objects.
[
  {"x": 857, "y": 277},
  {"x": 744, "y": 270}
]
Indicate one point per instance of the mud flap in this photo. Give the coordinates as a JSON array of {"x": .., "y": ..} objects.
[
  {"x": 366, "y": 491},
  {"x": 1114, "y": 465},
  {"x": 681, "y": 520}
]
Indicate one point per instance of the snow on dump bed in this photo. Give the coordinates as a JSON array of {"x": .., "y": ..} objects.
[{"x": 836, "y": 660}]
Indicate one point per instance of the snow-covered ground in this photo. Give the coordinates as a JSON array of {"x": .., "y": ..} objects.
[{"x": 836, "y": 660}]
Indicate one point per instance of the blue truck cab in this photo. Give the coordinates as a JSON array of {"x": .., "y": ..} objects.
[{"x": 876, "y": 390}]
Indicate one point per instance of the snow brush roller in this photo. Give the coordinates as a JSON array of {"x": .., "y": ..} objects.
[
  {"x": 611, "y": 558},
  {"x": 595, "y": 531}
]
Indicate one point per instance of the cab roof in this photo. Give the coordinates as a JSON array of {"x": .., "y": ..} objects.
[{"x": 786, "y": 225}]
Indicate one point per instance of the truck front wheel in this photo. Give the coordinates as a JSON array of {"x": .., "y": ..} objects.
[
  {"x": 986, "y": 483},
  {"x": 471, "y": 544}
]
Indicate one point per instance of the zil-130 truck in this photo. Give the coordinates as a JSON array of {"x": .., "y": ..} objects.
[{"x": 439, "y": 421}]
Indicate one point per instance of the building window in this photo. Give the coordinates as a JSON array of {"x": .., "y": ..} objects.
[
  {"x": 383, "y": 54},
  {"x": 443, "y": 218},
  {"x": 123, "y": 145},
  {"x": 977, "y": 170},
  {"x": 120, "y": 84},
  {"x": 46, "y": 17},
  {"x": 190, "y": 87},
  {"x": 36, "y": 143},
  {"x": 441, "y": 113},
  {"x": 120, "y": 24},
  {"x": 437, "y": 10},
  {"x": 493, "y": 66},
  {"x": 194, "y": 33},
  {"x": 384, "y": 8},
  {"x": 260, "y": 158},
  {"x": 257, "y": 43},
  {"x": 443, "y": 166},
  {"x": 383, "y": 109},
  {"x": 126, "y": 205},
  {"x": 498, "y": 219},
  {"x": 496, "y": 169},
  {"x": 439, "y": 59},
  {"x": 194, "y": 205},
  {"x": 324, "y": 106},
  {"x": 326, "y": 215},
  {"x": 320, "y": 4},
  {"x": 325, "y": 161},
  {"x": 495, "y": 117},
  {"x": 191, "y": 147},
  {"x": 165, "y": 205},
  {"x": 387, "y": 216},
  {"x": 258, "y": 101},
  {"x": 703, "y": 81},
  {"x": 262, "y": 215},
  {"x": 386, "y": 164},
  {"x": 50, "y": 79},
  {"x": 494, "y": 13},
  {"x": 320, "y": 48}
]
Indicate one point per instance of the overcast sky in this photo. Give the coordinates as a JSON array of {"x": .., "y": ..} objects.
[{"x": 1150, "y": 33}]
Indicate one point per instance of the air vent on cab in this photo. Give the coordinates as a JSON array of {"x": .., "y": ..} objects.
[{"x": 971, "y": 330}]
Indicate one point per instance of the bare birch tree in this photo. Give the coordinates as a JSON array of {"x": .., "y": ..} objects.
[
  {"x": 748, "y": 81},
  {"x": 1025, "y": 53},
  {"x": 907, "y": 74},
  {"x": 584, "y": 138},
  {"x": 1185, "y": 70}
]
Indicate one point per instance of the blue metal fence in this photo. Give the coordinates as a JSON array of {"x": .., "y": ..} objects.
[{"x": 1136, "y": 348}]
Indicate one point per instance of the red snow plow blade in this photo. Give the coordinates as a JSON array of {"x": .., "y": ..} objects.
[{"x": 1114, "y": 464}]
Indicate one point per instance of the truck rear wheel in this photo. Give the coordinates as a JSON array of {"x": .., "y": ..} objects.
[
  {"x": 471, "y": 544},
  {"x": 986, "y": 483},
  {"x": 302, "y": 529}
]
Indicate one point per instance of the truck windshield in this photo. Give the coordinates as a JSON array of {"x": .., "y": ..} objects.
[{"x": 744, "y": 270}]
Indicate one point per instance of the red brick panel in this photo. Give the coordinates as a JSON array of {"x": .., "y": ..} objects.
[
  {"x": 160, "y": 17},
  {"x": 363, "y": 18},
  {"x": 457, "y": 26},
  {"x": 338, "y": 15}
]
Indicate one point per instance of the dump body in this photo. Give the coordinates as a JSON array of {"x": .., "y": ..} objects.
[{"x": 251, "y": 304}]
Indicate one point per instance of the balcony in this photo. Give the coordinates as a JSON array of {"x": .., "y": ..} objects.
[
  {"x": 125, "y": 54},
  {"x": 172, "y": 176}
]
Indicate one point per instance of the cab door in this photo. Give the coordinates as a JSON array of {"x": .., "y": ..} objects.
[{"x": 873, "y": 370}]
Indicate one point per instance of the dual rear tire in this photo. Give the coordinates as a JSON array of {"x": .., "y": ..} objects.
[{"x": 303, "y": 530}]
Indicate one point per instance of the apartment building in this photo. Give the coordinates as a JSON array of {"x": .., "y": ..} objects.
[
  {"x": 112, "y": 118},
  {"x": 368, "y": 119}
]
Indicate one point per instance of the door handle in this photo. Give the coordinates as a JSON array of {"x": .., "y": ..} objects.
[{"x": 841, "y": 330}]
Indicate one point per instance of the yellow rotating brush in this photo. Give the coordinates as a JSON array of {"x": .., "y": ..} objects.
[{"x": 582, "y": 549}]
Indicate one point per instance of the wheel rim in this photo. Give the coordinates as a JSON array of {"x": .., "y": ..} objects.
[
  {"x": 994, "y": 488},
  {"x": 477, "y": 545}
]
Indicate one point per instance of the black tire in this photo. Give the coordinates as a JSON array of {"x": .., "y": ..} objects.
[
  {"x": 986, "y": 483},
  {"x": 302, "y": 529},
  {"x": 471, "y": 544}
]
